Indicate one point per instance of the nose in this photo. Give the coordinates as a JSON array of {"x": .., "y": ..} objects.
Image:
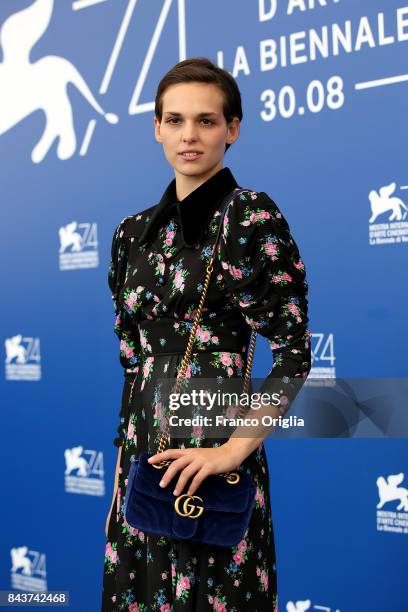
[{"x": 189, "y": 132}]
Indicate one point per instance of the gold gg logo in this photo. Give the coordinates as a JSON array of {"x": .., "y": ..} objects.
[{"x": 188, "y": 508}]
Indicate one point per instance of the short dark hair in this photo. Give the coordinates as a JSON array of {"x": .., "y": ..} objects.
[{"x": 202, "y": 70}]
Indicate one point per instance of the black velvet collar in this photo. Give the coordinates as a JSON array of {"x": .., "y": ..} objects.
[{"x": 194, "y": 211}]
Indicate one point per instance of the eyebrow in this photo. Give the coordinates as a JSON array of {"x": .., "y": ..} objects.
[{"x": 199, "y": 114}]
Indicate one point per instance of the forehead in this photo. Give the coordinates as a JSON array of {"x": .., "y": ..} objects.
[{"x": 191, "y": 98}]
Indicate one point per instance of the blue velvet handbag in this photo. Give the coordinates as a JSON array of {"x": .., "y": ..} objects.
[
  {"x": 218, "y": 513},
  {"x": 220, "y": 510}
]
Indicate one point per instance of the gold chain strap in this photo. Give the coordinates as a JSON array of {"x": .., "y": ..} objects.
[{"x": 232, "y": 477}]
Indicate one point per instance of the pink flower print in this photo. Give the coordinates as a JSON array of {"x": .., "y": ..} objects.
[
  {"x": 258, "y": 571},
  {"x": 165, "y": 608},
  {"x": 299, "y": 264},
  {"x": 242, "y": 545},
  {"x": 277, "y": 278},
  {"x": 146, "y": 368},
  {"x": 219, "y": 276},
  {"x": 210, "y": 560},
  {"x": 113, "y": 556},
  {"x": 236, "y": 583},
  {"x": 230, "y": 371},
  {"x": 188, "y": 372},
  {"x": 178, "y": 279},
  {"x": 259, "y": 497},
  {"x": 182, "y": 585},
  {"x": 164, "y": 575},
  {"x": 271, "y": 249},
  {"x": 197, "y": 431},
  {"x": 158, "y": 411},
  {"x": 108, "y": 549},
  {"x": 169, "y": 238},
  {"x": 224, "y": 265},
  {"x": 235, "y": 273},
  {"x": 238, "y": 558},
  {"x": 133, "y": 531},
  {"x": 117, "y": 320},
  {"x": 173, "y": 570},
  {"x": 131, "y": 430},
  {"x": 259, "y": 215},
  {"x": 133, "y": 607},
  {"x": 205, "y": 336},
  {"x": 131, "y": 300},
  {"x": 219, "y": 606},
  {"x": 132, "y": 575},
  {"x": 246, "y": 223},
  {"x": 294, "y": 309},
  {"x": 238, "y": 360},
  {"x": 264, "y": 579},
  {"x": 215, "y": 339},
  {"x": 160, "y": 267},
  {"x": 141, "y": 536},
  {"x": 226, "y": 359},
  {"x": 128, "y": 352}
]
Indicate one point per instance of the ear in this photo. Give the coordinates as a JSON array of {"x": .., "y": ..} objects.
[
  {"x": 156, "y": 124},
  {"x": 233, "y": 130}
]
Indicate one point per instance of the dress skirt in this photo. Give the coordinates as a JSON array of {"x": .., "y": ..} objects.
[{"x": 150, "y": 572}]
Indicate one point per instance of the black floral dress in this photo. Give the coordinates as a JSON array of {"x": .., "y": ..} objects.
[{"x": 158, "y": 263}]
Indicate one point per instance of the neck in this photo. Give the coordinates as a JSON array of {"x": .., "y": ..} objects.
[{"x": 185, "y": 184}]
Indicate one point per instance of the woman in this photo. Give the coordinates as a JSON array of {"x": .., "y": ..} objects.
[{"x": 159, "y": 259}]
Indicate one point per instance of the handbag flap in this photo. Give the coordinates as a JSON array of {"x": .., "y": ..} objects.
[{"x": 215, "y": 492}]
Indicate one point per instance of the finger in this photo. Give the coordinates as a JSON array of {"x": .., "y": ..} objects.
[
  {"x": 172, "y": 470},
  {"x": 198, "y": 479},
  {"x": 170, "y": 453},
  {"x": 186, "y": 475}
]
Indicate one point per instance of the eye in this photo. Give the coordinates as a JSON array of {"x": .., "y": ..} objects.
[{"x": 171, "y": 120}]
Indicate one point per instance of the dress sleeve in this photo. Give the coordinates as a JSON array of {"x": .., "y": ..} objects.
[
  {"x": 266, "y": 278},
  {"x": 124, "y": 326}
]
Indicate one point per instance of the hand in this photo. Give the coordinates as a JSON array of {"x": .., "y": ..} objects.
[{"x": 197, "y": 462}]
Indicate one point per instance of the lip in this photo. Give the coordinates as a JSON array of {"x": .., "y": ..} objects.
[{"x": 198, "y": 154}]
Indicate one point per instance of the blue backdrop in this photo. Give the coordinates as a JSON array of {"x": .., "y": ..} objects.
[{"x": 324, "y": 95}]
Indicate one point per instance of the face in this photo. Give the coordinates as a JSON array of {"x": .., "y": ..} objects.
[{"x": 193, "y": 119}]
